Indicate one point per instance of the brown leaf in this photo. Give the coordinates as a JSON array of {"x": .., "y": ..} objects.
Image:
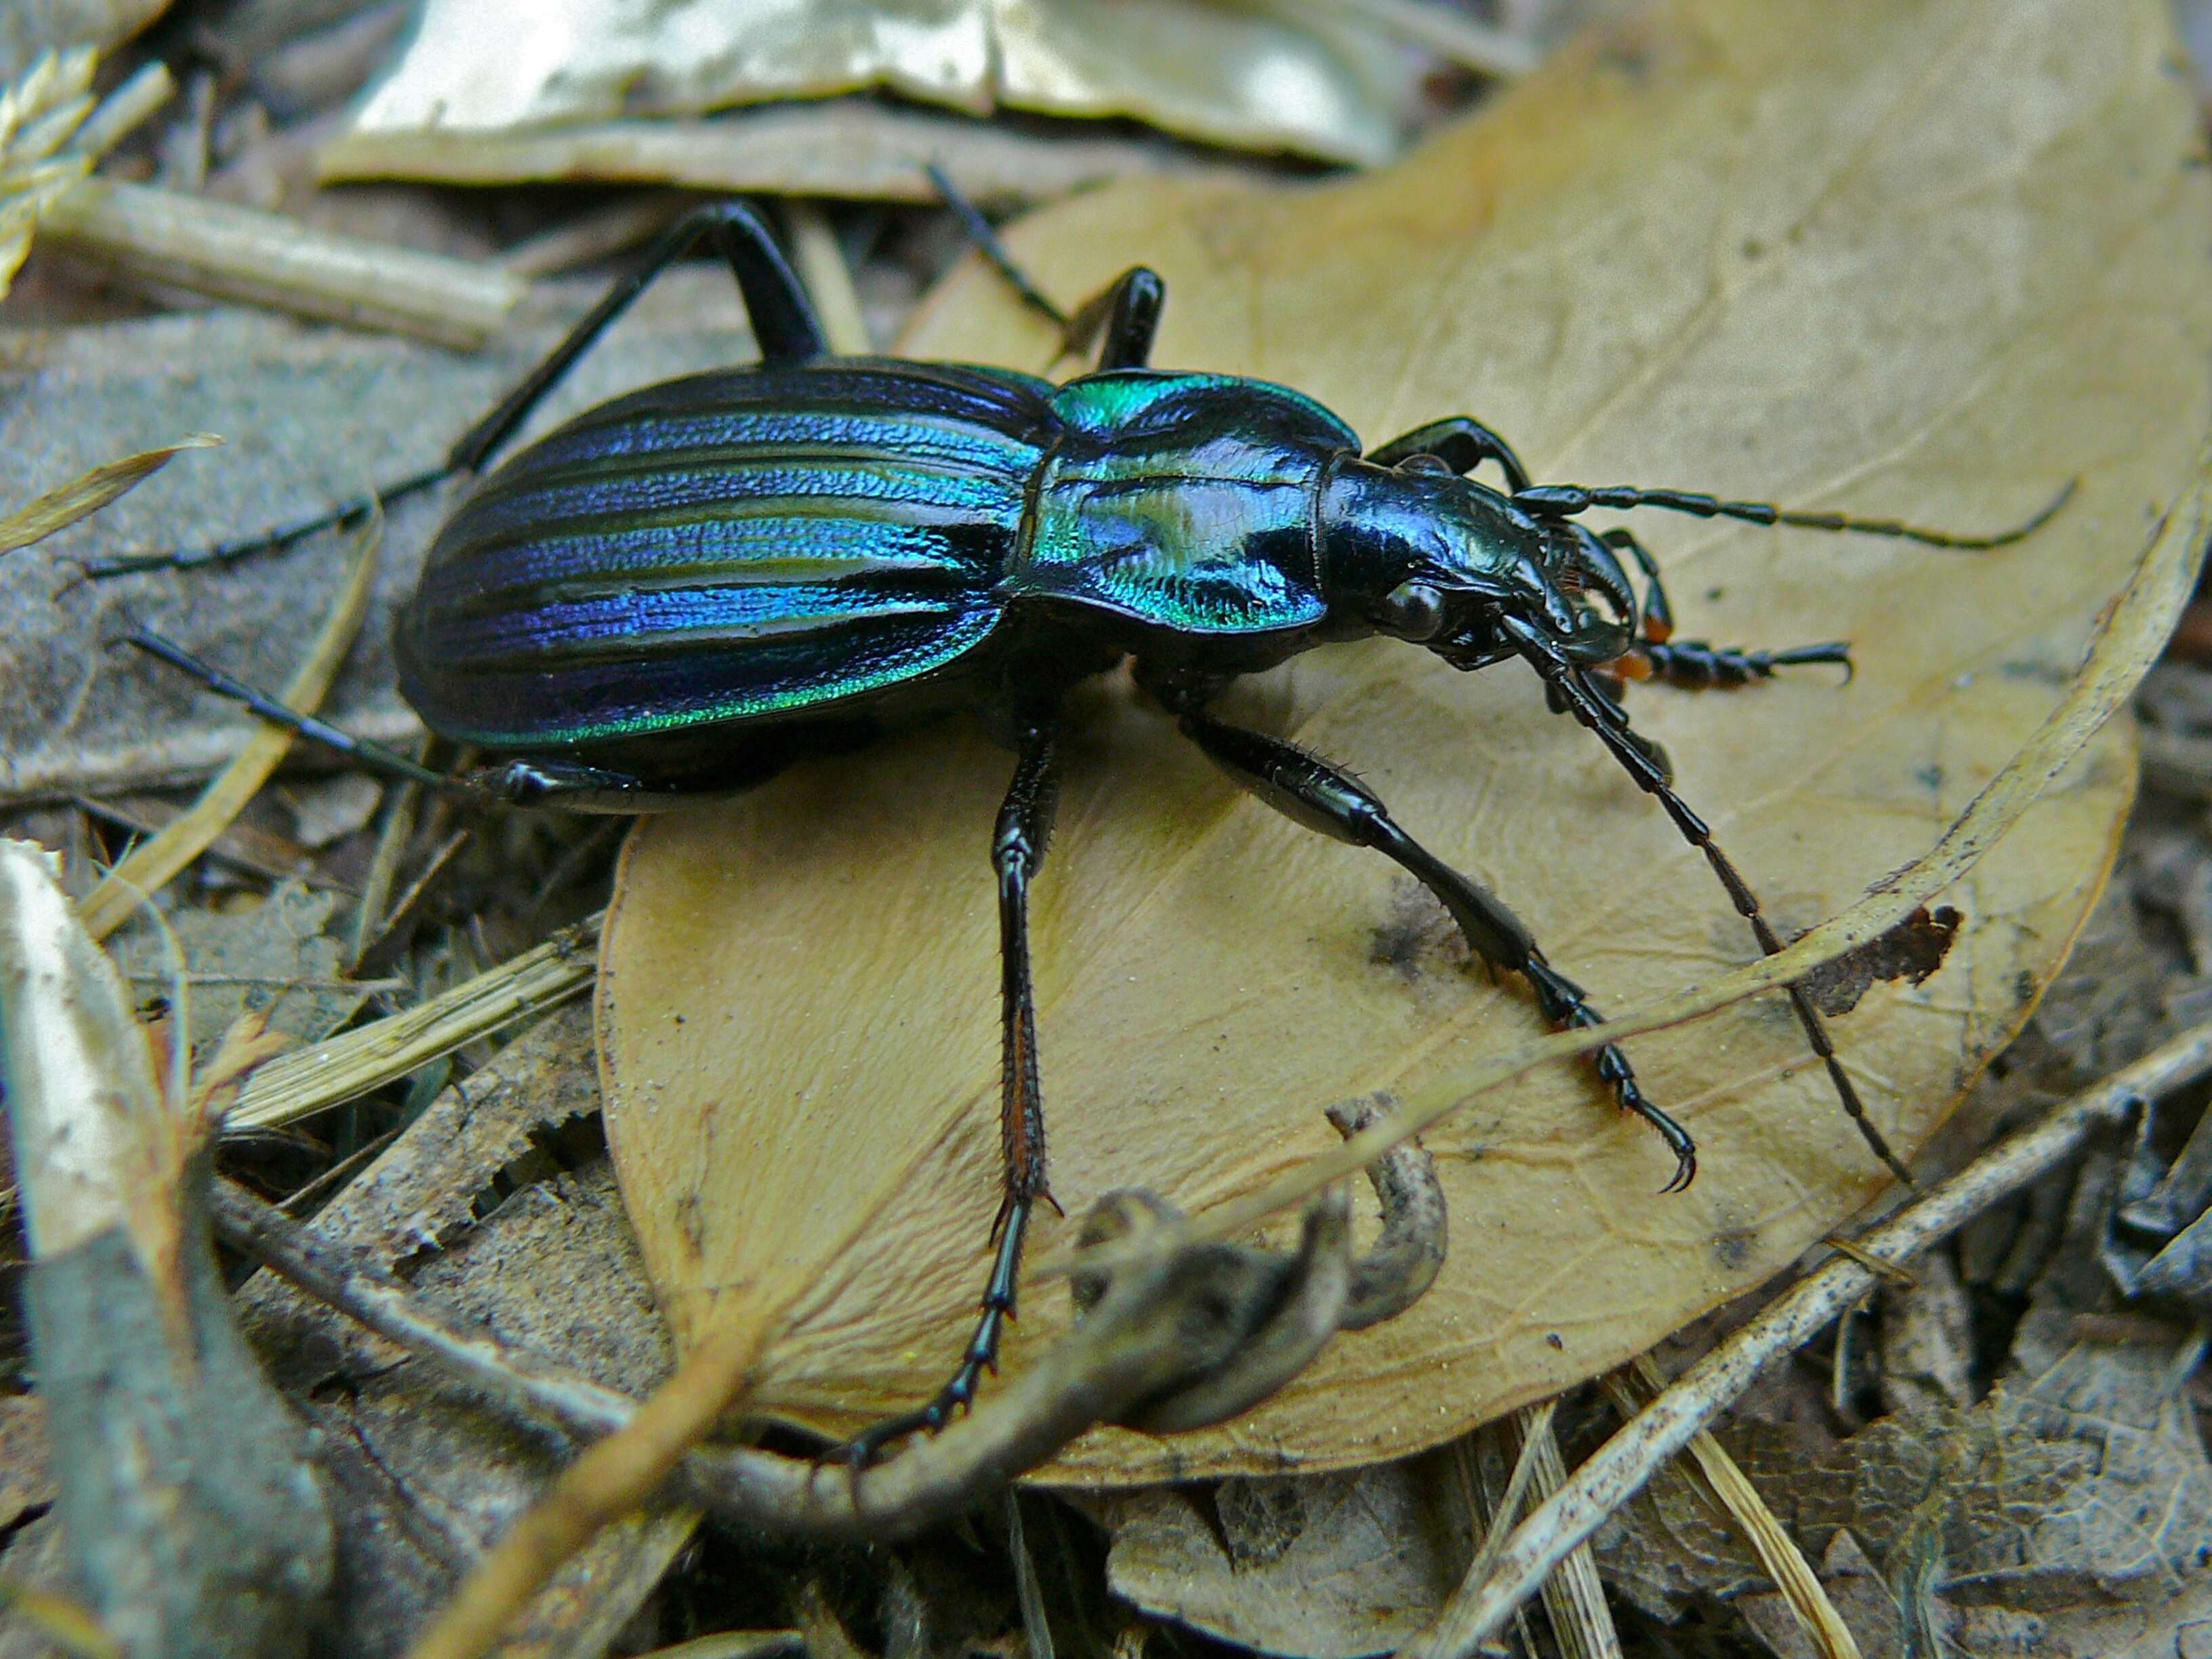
[{"x": 1767, "y": 250}]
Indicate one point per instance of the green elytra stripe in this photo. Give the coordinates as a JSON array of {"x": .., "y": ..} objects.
[{"x": 550, "y": 652}]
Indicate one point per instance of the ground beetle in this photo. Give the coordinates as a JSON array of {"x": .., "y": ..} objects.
[{"x": 682, "y": 589}]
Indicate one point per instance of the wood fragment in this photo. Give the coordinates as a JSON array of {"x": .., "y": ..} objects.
[{"x": 348, "y": 1065}]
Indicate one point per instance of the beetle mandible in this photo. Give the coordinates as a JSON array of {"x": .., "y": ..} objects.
[{"x": 684, "y": 589}]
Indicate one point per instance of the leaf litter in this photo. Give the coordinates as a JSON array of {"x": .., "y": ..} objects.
[
  {"x": 2102, "y": 1018},
  {"x": 1534, "y": 273}
]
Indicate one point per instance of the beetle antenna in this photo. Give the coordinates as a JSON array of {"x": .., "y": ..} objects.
[
  {"x": 1563, "y": 501},
  {"x": 1570, "y": 691}
]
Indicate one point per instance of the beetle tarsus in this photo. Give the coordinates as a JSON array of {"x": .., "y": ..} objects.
[
  {"x": 1695, "y": 665},
  {"x": 981, "y": 1355}
]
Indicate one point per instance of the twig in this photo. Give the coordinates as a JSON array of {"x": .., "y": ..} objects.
[
  {"x": 1619, "y": 1468},
  {"x": 1159, "y": 1324},
  {"x": 265, "y": 258}
]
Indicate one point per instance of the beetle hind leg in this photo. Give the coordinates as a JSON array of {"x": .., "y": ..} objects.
[
  {"x": 783, "y": 322},
  {"x": 1324, "y": 798},
  {"x": 1017, "y": 849}
]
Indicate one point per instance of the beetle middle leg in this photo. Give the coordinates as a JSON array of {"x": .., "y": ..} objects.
[
  {"x": 1017, "y": 844},
  {"x": 1323, "y": 798}
]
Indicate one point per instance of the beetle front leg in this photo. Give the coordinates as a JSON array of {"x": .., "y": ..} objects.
[
  {"x": 1017, "y": 849},
  {"x": 1460, "y": 443},
  {"x": 1310, "y": 790},
  {"x": 1693, "y": 665}
]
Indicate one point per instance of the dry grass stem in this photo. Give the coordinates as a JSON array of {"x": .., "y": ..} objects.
[
  {"x": 1573, "y": 1597},
  {"x": 1448, "y": 1632},
  {"x": 123, "y": 109},
  {"x": 1619, "y": 1468},
  {"x": 828, "y": 278}
]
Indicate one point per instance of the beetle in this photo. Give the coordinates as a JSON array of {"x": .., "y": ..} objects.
[{"x": 684, "y": 589}]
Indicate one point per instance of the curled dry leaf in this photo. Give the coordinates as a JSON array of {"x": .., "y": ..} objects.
[
  {"x": 1247, "y": 77},
  {"x": 1888, "y": 260}
]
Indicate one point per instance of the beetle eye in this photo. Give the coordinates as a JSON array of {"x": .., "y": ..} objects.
[
  {"x": 1424, "y": 463},
  {"x": 1412, "y": 610}
]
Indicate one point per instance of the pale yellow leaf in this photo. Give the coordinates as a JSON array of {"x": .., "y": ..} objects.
[{"x": 1909, "y": 259}]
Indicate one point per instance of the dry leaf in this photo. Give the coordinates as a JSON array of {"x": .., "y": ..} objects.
[
  {"x": 854, "y": 146},
  {"x": 1885, "y": 259},
  {"x": 1310, "y": 1567},
  {"x": 1233, "y": 75},
  {"x": 274, "y": 956},
  {"x": 2081, "y": 1499}
]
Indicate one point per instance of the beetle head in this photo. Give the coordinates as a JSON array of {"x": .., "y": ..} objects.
[{"x": 1419, "y": 553}]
